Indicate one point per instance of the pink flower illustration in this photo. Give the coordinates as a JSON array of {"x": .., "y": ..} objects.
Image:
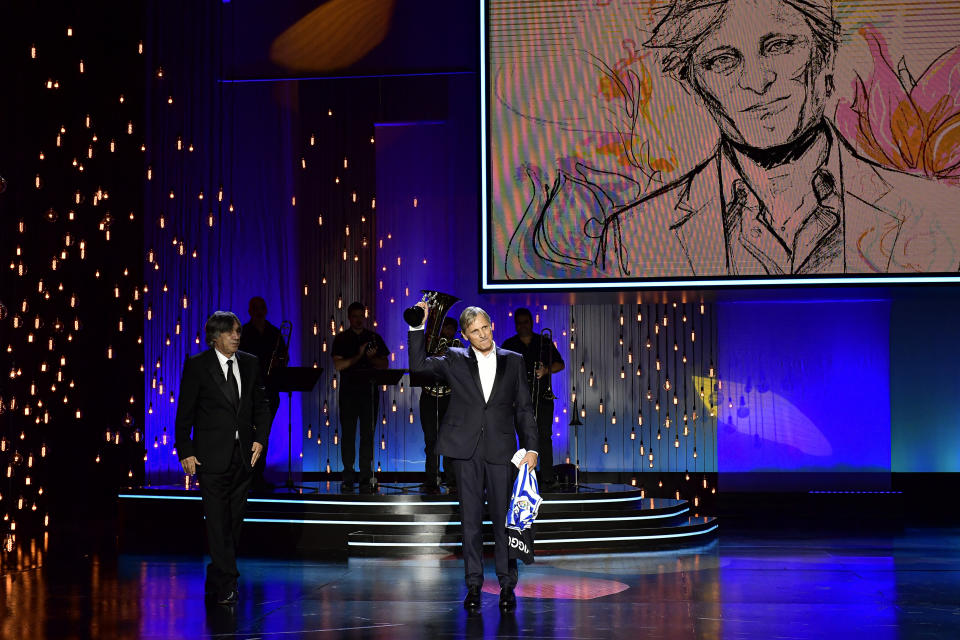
[{"x": 912, "y": 125}]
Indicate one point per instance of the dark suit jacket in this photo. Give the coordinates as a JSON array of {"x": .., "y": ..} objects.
[
  {"x": 470, "y": 421},
  {"x": 891, "y": 223},
  {"x": 205, "y": 408}
]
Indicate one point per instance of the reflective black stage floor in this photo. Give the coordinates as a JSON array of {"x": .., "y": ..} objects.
[{"x": 739, "y": 586}]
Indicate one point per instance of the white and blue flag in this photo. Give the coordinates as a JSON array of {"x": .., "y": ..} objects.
[{"x": 524, "y": 504}]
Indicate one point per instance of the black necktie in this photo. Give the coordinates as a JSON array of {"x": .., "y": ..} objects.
[{"x": 232, "y": 384}]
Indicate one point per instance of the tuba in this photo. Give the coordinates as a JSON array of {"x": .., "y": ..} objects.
[{"x": 438, "y": 304}]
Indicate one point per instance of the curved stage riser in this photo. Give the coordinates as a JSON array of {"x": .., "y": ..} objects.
[{"x": 399, "y": 521}]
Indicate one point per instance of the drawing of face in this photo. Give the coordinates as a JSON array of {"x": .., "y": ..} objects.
[{"x": 757, "y": 73}]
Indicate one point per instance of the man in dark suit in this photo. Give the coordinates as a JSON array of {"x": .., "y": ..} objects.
[
  {"x": 489, "y": 405},
  {"x": 223, "y": 401}
]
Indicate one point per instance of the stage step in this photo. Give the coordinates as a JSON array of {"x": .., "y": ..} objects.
[
  {"x": 687, "y": 530},
  {"x": 428, "y": 512},
  {"x": 400, "y": 519}
]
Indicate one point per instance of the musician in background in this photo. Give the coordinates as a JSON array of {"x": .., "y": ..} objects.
[
  {"x": 356, "y": 351},
  {"x": 542, "y": 360},
  {"x": 263, "y": 340},
  {"x": 434, "y": 400}
]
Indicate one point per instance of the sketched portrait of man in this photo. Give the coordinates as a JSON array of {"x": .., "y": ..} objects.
[{"x": 783, "y": 193}]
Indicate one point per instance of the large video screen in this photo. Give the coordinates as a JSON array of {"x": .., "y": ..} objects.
[{"x": 677, "y": 143}]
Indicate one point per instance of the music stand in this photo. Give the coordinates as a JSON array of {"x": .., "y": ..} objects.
[
  {"x": 288, "y": 380},
  {"x": 376, "y": 378}
]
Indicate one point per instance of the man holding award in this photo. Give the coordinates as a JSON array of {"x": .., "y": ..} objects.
[{"x": 490, "y": 406}]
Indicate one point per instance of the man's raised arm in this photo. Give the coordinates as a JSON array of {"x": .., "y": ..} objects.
[{"x": 417, "y": 350}]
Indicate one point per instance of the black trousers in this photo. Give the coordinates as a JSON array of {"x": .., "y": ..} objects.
[
  {"x": 358, "y": 405},
  {"x": 224, "y": 505},
  {"x": 432, "y": 410},
  {"x": 474, "y": 476},
  {"x": 545, "y": 441}
]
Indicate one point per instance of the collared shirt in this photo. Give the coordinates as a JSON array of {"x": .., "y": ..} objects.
[
  {"x": 487, "y": 365},
  {"x": 756, "y": 246},
  {"x": 488, "y": 373},
  {"x": 236, "y": 375},
  {"x": 488, "y": 370},
  {"x": 223, "y": 366}
]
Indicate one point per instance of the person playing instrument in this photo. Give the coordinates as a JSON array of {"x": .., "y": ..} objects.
[
  {"x": 263, "y": 340},
  {"x": 489, "y": 407},
  {"x": 356, "y": 351},
  {"x": 434, "y": 400},
  {"x": 542, "y": 360}
]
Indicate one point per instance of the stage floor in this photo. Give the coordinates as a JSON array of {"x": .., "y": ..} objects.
[{"x": 878, "y": 587}]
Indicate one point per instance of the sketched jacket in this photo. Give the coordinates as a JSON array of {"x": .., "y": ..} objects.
[{"x": 888, "y": 221}]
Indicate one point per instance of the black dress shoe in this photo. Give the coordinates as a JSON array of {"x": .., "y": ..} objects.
[
  {"x": 346, "y": 487},
  {"x": 508, "y": 600},
  {"x": 472, "y": 601},
  {"x": 366, "y": 487},
  {"x": 231, "y": 597}
]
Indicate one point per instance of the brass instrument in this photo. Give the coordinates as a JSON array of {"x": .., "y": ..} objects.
[
  {"x": 439, "y": 389},
  {"x": 538, "y": 388},
  {"x": 438, "y": 304},
  {"x": 280, "y": 357}
]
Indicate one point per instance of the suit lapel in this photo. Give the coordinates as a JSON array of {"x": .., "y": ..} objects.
[
  {"x": 474, "y": 367},
  {"x": 246, "y": 378},
  {"x": 871, "y": 230},
  {"x": 501, "y": 364},
  {"x": 700, "y": 219}
]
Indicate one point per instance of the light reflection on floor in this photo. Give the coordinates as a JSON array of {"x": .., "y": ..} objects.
[
  {"x": 561, "y": 588},
  {"x": 736, "y": 587}
]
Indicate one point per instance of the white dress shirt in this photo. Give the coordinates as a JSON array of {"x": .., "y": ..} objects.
[
  {"x": 487, "y": 364},
  {"x": 236, "y": 374},
  {"x": 488, "y": 370},
  {"x": 488, "y": 373}
]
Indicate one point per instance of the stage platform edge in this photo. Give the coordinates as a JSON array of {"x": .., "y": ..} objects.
[{"x": 403, "y": 520}]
